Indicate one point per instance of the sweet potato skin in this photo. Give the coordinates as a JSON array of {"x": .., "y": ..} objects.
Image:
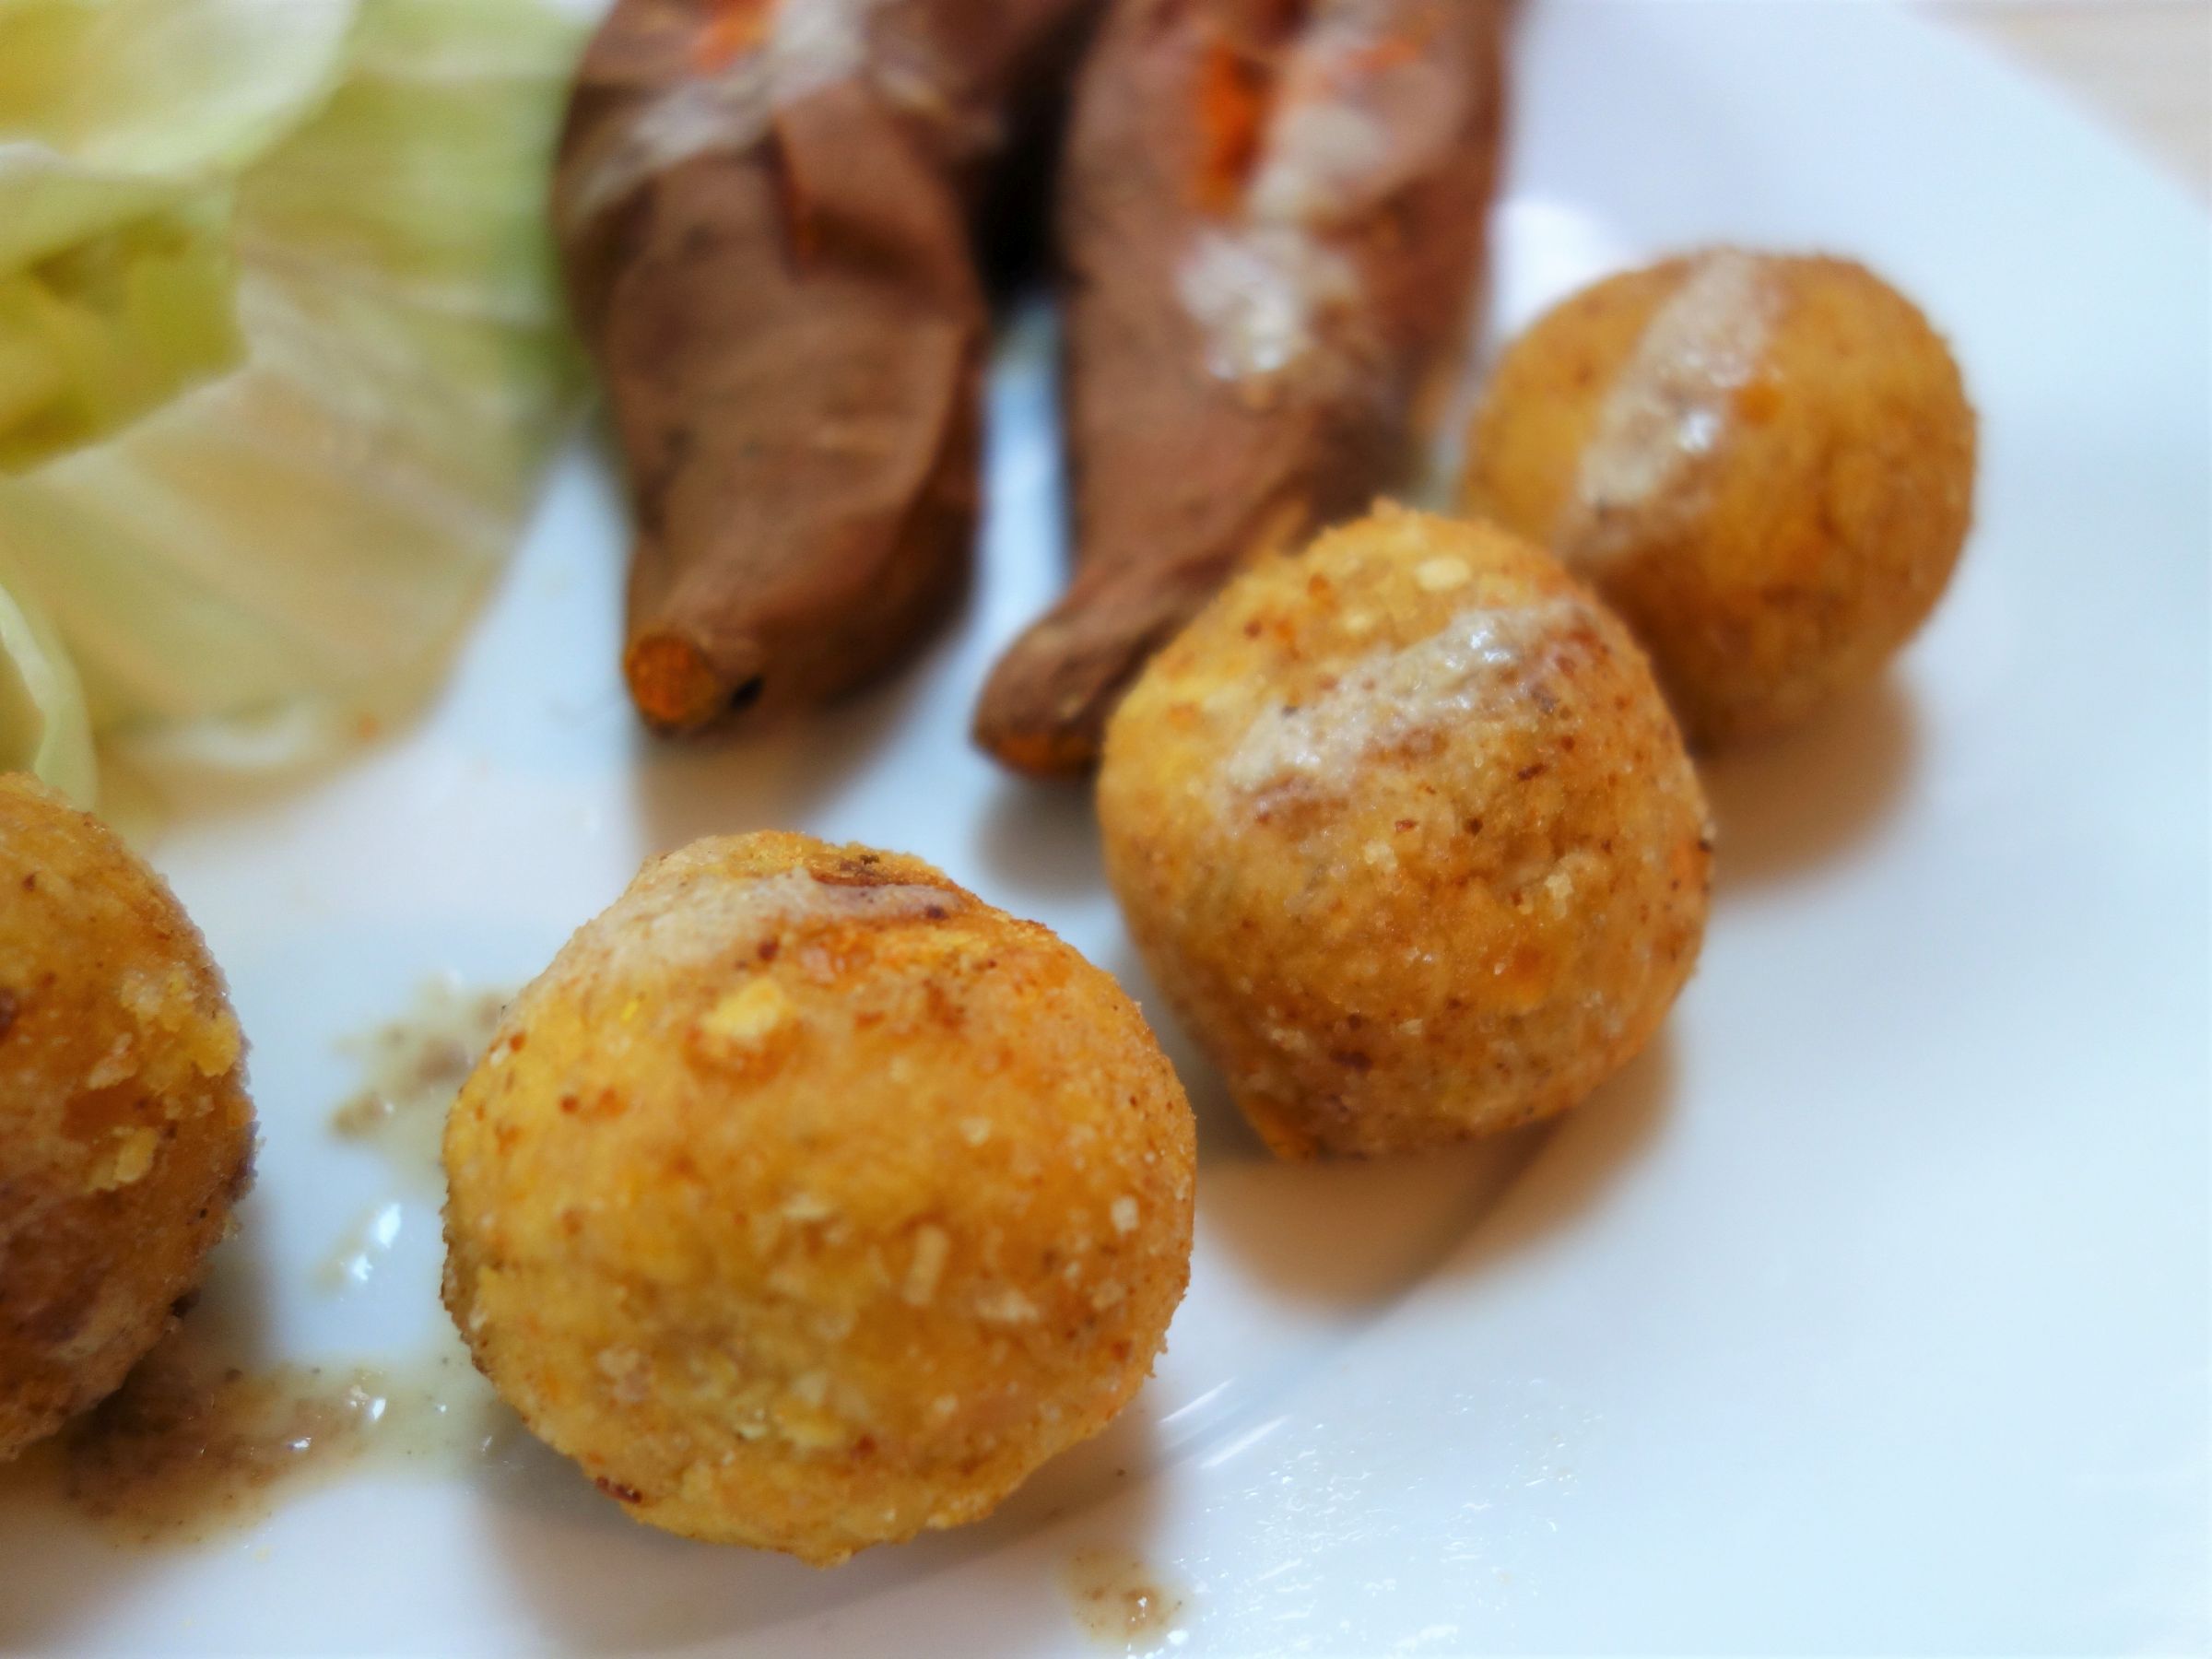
[
  {"x": 1202, "y": 433},
  {"x": 769, "y": 231}
]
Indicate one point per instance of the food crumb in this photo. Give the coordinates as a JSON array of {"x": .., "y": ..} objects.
[
  {"x": 931, "y": 1247},
  {"x": 1007, "y": 1305},
  {"x": 745, "y": 1019},
  {"x": 1441, "y": 575}
]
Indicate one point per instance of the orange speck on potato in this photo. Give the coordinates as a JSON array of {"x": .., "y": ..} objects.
[
  {"x": 671, "y": 681},
  {"x": 1232, "y": 116},
  {"x": 733, "y": 28}
]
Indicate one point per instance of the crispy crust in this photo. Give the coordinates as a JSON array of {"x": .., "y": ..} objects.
[
  {"x": 1814, "y": 537},
  {"x": 806, "y": 1201},
  {"x": 1406, "y": 835},
  {"x": 125, "y": 1134}
]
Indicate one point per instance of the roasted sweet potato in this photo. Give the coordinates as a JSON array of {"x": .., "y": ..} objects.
[
  {"x": 1271, "y": 220},
  {"x": 769, "y": 213}
]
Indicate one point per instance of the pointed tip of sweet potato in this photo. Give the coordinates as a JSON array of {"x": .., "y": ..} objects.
[
  {"x": 677, "y": 688},
  {"x": 1043, "y": 711}
]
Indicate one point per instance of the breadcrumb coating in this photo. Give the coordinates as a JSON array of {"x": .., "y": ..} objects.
[
  {"x": 1406, "y": 834},
  {"x": 1765, "y": 463},
  {"x": 806, "y": 1201},
  {"x": 125, "y": 1132}
]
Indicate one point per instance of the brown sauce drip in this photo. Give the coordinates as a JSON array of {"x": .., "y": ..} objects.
[
  {"x": 196, "y": 1443},
  {"x": 412, "y": 1068},
  {"x": 193, "y": 1446},
  {"x": 188, "y": 1446},
  {"x": 1123, "y": 1602}
]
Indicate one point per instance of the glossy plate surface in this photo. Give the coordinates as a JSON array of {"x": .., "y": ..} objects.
[{"x": 1866, "y": 1313}]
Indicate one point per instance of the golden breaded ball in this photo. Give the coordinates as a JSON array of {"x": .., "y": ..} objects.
[
  {"x": 1765, "y": 463},
  {"x": 807, "y": 1201},
  {"x": 125, "y": 1134},
  {"x": 1406, "y": 833}
]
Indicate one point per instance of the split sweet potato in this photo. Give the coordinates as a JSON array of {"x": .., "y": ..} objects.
[
  {"x": 1271, "y": 222},
  {"x": 770, "y": 217}
]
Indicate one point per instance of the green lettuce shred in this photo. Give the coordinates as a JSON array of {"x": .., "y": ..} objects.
[
  {"x": 43, "y": 728},
  {"x": 282, "y": 358}
]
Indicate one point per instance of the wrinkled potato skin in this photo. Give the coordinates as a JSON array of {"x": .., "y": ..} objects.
[
  {"x": 1830, "y": 526},
  {"x": 1181, "y": 469},
  {"x": 125, "y": 1132},
  {"x": 792, "y": 328},
  {"x": 695, "y": 1180},
  {"x": 1476, "y": 919}
]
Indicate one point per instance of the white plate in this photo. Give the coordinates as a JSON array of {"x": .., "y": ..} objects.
[{"x": 1868, "y": 1312}]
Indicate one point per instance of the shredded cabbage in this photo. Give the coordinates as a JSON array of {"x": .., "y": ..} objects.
[
  {"x": 43, "y": 724},
  {"x": 281, "y": 353},
  {"x": 168, "y": 90},
  {"x": 94, "y": 336},
  {"x": 121, "y": 124}
]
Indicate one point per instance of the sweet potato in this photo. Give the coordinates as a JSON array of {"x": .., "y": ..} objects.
[
  {"x": 1271, "y": 222},
  {"x": 769, "y": 213}
]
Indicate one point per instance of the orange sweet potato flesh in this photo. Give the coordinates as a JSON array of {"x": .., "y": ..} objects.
[
  {"x": 769, "y": 213},
  {"x": 1271, "y": 225}
]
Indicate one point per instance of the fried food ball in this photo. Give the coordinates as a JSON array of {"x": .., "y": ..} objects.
[
  {"x": 1407, "y": 836},
  {"x": 807, "y": 1201},
  {"x": 125, "y": 1134},
  {"x": 1765, "y": 463}
]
